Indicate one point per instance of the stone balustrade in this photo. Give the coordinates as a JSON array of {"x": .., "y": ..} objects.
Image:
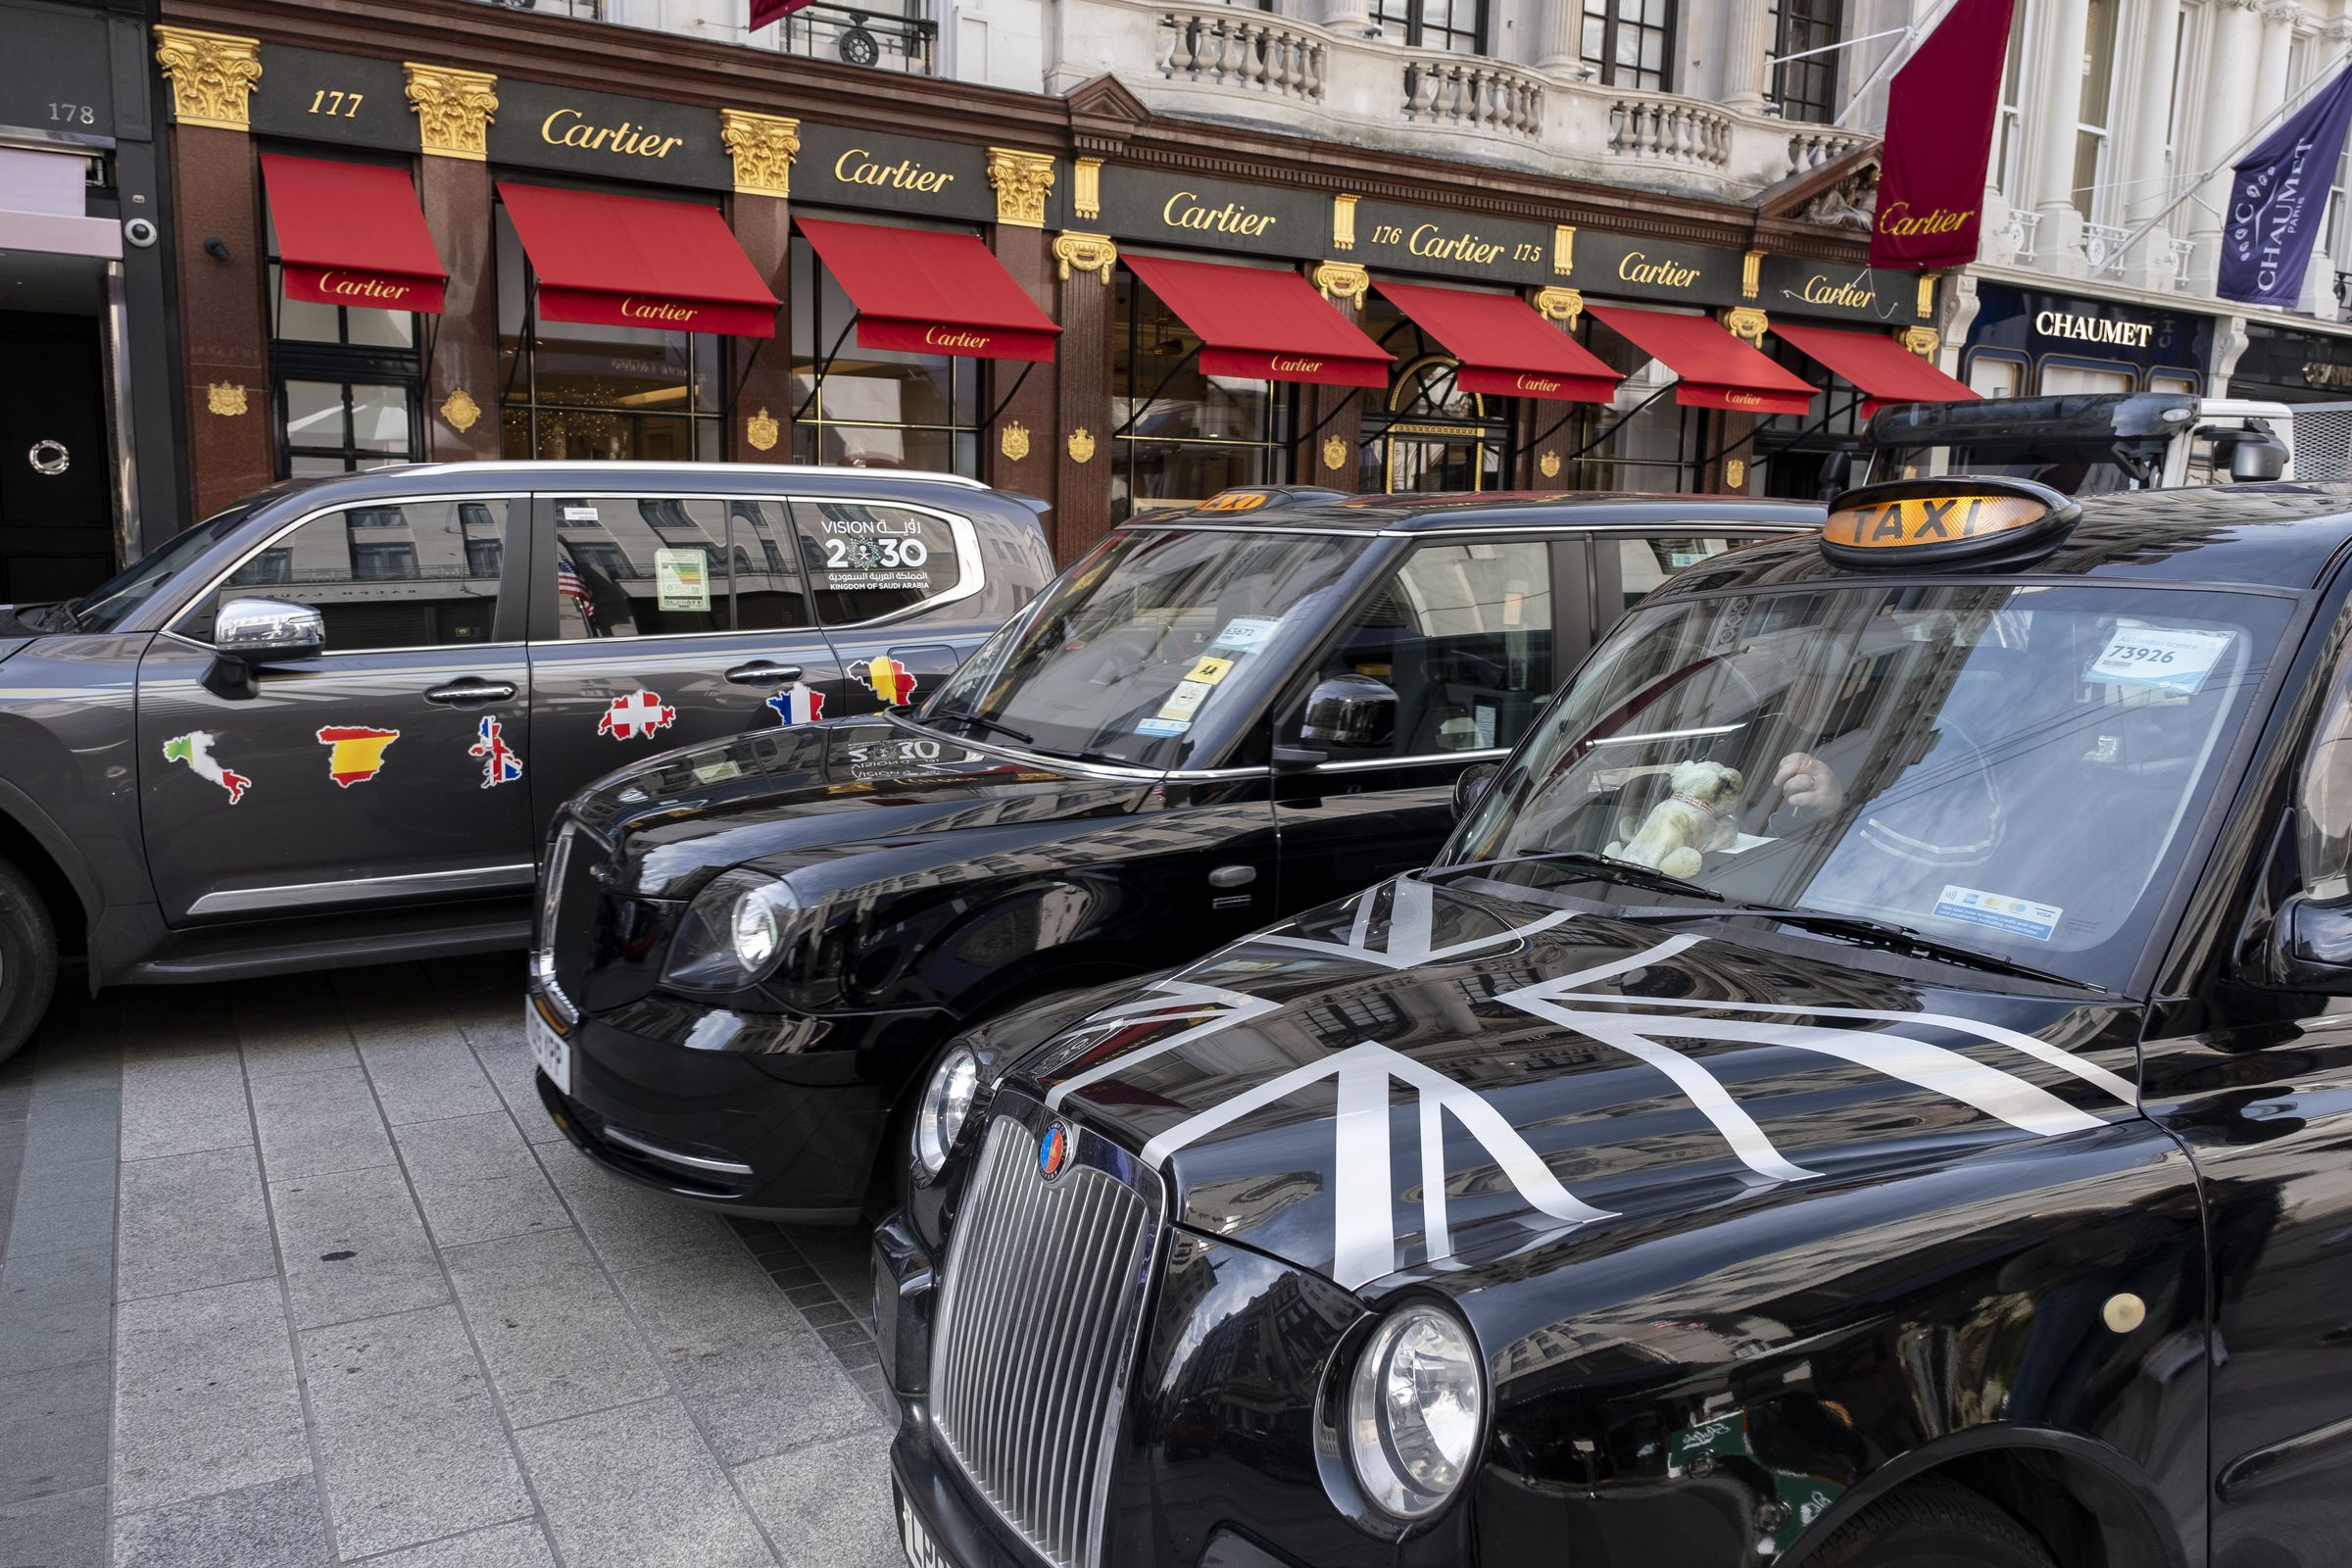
[
  {"x": 1247, "y": 51},
  {"x": 1220, "y": 62}
]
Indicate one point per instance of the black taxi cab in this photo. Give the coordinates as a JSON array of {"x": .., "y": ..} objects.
[
  {"x": 1867, "y": 1082},
  {"x": 753, "y": 952}
]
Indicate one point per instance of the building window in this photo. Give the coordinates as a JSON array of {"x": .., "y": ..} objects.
[
  {"x": 346, "y": 382},
  {"x": 860, "y": 408},
  {"x": 1179, "y": 436},
  {"x": 1806, "y": 89},
  {"x": 1629, "y": 42},
  {"x": 2094, "y": 192},
  {"x": 1457, "y": 26},
  {"x": 577, "y": 393},
  {"x": 2009, "y": 154}
]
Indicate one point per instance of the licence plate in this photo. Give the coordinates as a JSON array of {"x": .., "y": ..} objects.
[
  {"x": 551, "y": 1050},
  {"x": 921, "y": 1550}
]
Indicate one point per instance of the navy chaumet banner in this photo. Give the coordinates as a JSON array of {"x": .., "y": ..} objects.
[{"x": 2279, "y": 198}]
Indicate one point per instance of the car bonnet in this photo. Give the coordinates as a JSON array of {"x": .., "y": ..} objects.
[{"x": 1423, "y": 1072}]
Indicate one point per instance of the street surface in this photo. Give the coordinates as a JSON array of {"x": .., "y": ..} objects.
[{"x": 298, "y": 1272}]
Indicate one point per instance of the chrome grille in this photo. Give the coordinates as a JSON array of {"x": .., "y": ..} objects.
[
  {"x": 1037, "y": 1324},
  {"x": 556, "y": 900}
]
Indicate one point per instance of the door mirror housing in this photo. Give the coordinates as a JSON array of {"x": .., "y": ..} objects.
[
  {"x": 2257, "y": 458},
  {"x": 1837, "y": 471},
  {"x": 1471, "y": 785},
  {"x": 2312, "y": 945},
  {"x": 261, "y": 631},
  {"x": 1354, "y": 711}
]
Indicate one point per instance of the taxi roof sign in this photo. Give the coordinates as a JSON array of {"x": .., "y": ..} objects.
[
  {"x": 1235, "y": 500},
  {"x": 1955, "y": 518}
]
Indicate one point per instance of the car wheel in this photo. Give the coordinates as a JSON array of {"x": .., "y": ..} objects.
[
  {"x": 27, "y": 959},
  {"x": 1933, "y": 1524}
]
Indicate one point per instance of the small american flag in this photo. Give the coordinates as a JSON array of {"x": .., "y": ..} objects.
[{"x": 570, "y": 586}]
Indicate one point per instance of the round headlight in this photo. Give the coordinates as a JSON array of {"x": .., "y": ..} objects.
[
  {"x": 946, "y": 1100},
  {"x": 1413, "y": 1411},
  {"x": 753, "y": 930}
]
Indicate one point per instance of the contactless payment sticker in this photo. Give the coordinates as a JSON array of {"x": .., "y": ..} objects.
[
  {"x": 1163, "y": 726},
  {"x": 2164, "y": 658},
  {"x": 682, "y": 579},
  {"x": 1243, "y": 633},
  {"x": 2019, "y": 918}
]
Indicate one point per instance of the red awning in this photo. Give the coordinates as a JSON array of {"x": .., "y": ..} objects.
[
  {"x": 1506, "y": 349},
  {"x": 1881, "y": 368},
  {"x": 352, "y": 234},
  {"x": 631, "y": 260},
  {"x": 1716, "y": 369},
  {"x": 1264, "y": 325},
  {"x": 922, "y": 291}
]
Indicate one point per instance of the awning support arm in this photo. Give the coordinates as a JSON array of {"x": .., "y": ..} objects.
[
  {"x": 1602, "y": 435},
  {"x": 1010, "y": 396},
  {"x": 745, "y": 379},
  {"x": 1337, "y": 409},
  {"x": 825, "y": 368},
  {"x": 1144, "y": 407}
]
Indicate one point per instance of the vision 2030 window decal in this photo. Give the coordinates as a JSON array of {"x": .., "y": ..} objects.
[{"x": 1364, "y": 1190}]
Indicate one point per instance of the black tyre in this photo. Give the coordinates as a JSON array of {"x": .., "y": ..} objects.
[
  {"x": 27, "y": 959},
  {"x": 1933, "y": 1524}
]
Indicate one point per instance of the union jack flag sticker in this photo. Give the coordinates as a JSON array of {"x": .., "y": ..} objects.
[{"x": 500, "y": 764}]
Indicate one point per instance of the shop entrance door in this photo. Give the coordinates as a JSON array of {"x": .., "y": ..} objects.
[
  {"x": 56, "y": 521},
  {"x": 1423, "y": 457}
]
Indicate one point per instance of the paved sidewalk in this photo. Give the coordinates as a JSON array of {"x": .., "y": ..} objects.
[{"x": 298, "y": 1272}]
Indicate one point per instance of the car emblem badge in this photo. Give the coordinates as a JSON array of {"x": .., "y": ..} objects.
[{"x": 1054, "y": 1151}]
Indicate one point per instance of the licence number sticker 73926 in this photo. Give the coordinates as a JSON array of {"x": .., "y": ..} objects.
[{"x": 2164, "y": 658}]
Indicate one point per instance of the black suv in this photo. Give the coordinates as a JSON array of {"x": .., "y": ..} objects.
[
  {"x": 330, "y": 725},
  {"x": 752, "y": 948}
]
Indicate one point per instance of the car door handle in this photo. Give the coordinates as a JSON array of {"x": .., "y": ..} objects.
[
  {"x": 764, "y": 672},
  {"x": 472, "y": 690}
]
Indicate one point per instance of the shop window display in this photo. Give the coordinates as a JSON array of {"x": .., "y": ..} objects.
[
  {"x": 574, "y": 392},
  {"x": 1181, "y": 435},
  {"x": 346, "y": 382},
  {"x": 862, "y": 408}
]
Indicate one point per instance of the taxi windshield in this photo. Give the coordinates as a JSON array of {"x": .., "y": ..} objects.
[
  {"x": 104, "y": 606},
  {"x": 1156, "y": 633},
  {"x": 2010, "y": 768}
]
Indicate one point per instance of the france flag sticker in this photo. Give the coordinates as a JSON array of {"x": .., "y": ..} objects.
[{"x": 797, "y": 704}]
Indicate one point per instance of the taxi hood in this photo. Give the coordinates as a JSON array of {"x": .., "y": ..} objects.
[
  {"x": 1427, "y": 1072},
  {"x": 817, "y": 790}
]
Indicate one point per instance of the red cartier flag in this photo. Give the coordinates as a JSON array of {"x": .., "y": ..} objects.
[
  {"x": 765, "y": 11},
  {"x": 1939, "y": 119}
]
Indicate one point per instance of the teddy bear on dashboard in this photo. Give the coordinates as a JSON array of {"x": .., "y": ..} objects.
[{"x": 1694, "y": 818}]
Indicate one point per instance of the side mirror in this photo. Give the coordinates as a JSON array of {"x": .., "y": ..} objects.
[
  {"x": 2314, "y": 945},
  {"x": 1470, "y": 787},
  {"x": 1349, "y": 711},
  {"x": 2257, "y": 458},
  {"x": 1835, "y": 470},
  {"x": 260, "y": 631}
]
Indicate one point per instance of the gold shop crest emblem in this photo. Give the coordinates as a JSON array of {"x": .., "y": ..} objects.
[
  {"x": 461, "y": 410},
  {"x": 1082, "y": 445},
  {"x": 225, "y": 397},
  {"x": 1335, "y": 451},
  {"x": 1734, "y": 474},
  {"x": 760, "y": 431},
  {"x": 1549, "y": 465},
  {"x": 1013, "y": 441}
]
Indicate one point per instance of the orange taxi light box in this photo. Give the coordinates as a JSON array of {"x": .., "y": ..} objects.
[
  {"x": 1930, "y": 520},
  {"x": 1235, "y": 500}
]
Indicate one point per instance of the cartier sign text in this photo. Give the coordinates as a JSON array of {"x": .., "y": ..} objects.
[
  {"x": 1636, "y": 268},
  {"x": 857, "y": 167},
  {"x": 1184, "y": 210},
  {"x": 566, "y": 128}
]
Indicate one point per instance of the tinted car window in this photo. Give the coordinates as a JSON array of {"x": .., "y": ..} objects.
[
  {"x": 396, "y": 574},
  {"x": 104, "y": 606},
  {"x": 870, "y": 561},
  {"x": 663, "y": 566},
  {"x": 1462, "y": 634},
  {"x": 1643, "y": 563}
]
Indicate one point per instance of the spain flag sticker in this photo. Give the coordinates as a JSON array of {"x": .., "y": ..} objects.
[{"x": 355, "y": 753}]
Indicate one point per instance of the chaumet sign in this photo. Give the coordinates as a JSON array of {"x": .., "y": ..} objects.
[{"x": 2095, "y": 329}]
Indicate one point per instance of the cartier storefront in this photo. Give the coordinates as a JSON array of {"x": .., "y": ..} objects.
[{"x": 436, "y": 232}]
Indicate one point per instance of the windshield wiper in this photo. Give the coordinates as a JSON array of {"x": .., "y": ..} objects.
[
  {"x": 1610, "y": 871},
  {"x": 1902, "y": 938},
  {"x": 983, "y": 721}
]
